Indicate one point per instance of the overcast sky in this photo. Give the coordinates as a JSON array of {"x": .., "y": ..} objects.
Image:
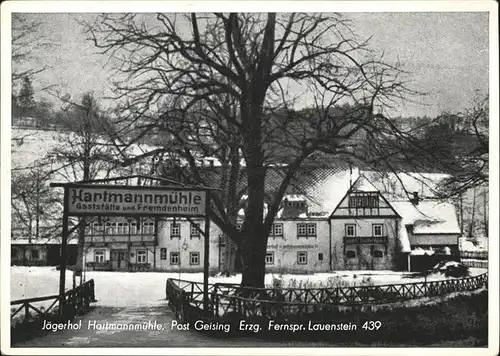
[{"x": 447, "y": 54}]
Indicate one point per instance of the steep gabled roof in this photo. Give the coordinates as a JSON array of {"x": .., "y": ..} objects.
[{"x": 363, "y": 184}]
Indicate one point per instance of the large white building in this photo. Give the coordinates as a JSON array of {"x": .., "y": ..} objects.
[{"x": 358, "y": 228}]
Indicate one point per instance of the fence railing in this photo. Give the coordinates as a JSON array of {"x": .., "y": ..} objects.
[
  {"x": 478, "y": 255},
  {"x": 475, "y": 264},
  {"x": 75, "y": 300},
  {"x": 231, "y": 299}
]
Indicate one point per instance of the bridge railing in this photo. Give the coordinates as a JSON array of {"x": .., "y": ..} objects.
[
  {"x": 75, "y": 300},
  {"x": 231, "y": 299}
]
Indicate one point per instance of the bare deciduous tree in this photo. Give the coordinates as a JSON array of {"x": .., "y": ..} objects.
[
  {"x": 35, "y": 207},
  {"x": 472, "y": 167},
  {"x": 25, "y": 40},
  {"x": 83, "y": 153},
  {"x": 235, "y": 74}
]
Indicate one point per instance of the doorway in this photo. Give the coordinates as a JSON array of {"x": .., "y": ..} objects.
[{"x": 119, "y": 260}]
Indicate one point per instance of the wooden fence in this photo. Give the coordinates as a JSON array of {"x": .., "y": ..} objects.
[
  {"x": 75, "y": 301},
  {"x": 230, "y": 299}
]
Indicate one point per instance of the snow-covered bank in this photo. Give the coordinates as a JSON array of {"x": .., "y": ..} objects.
[{"x": 148, "y": 288}]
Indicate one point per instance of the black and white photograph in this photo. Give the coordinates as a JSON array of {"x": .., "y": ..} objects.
[{"x": 255, "y": 178}]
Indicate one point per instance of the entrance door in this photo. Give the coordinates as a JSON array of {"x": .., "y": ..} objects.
[{"x": 119, "y": 260}]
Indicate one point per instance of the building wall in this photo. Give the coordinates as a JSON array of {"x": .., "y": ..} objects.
[
  {"x": 28, "y": 254},
  {"x": 286, "y": 248},
  {"x": 185, "y": 246},
  {"x": 47, "y": 255},
  {"x": 363, "y": 252},
  {"x": 90, "y": 252}
]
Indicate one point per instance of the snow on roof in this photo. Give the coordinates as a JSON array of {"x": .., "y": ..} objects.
[
  {"x": 420, "y": 251},
  {"x": 395, "y": 185},
  {"x": 45, "y": 241},
  {"x": 322, "y": 188},
  {"x": 428, "y": 217},
  {"x": 362, "y": 184},
  {"x": 330, "y": 191},
  {"x": 294, "y": 197}
]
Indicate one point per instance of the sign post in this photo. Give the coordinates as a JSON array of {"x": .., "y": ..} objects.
[
  {"x": 87, "y": 199},
  {"x": 206, "y": 261},
  {"x": 64, "y": 255}
]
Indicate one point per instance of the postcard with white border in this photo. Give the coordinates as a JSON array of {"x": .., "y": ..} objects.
[{"x": 253, "y": 177}]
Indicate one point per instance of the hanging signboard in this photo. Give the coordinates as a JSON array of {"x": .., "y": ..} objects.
[{"x": 126, "y": 201}]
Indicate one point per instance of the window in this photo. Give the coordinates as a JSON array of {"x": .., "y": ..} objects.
[
  {"x": 194, "y": 258},
  {"x": 350, "y": 230},
  {"x": 270, "y": 258},
  {"x": 174, "y": 258},
  {"x": 163, "y": 253},
  {"x": 306, "y": 230},
  {"x": 148, "y": 228},
  {"x": 119, "y": 229},
  {"x": 320, "y": 256},
  {"x": 301, "y": 230},
  {"x": 277, "y": 229},
  {"x": 34, "y": 254},
  {"x": 363, "y": 200},
  {"x": 378, "y": 253},
  {"x": 175, "y": 230},
  {"x": 195, "y": 231},
  {"x": 99, "y": 256},
  {"x": 302, "y": 258},
  {"x": 98, "y": 229},
  {"x": 311, "y": 229},
  {"x": 132, "y": 229},
  {"x": 109, "y": 229},
  {"x": 141, "y": 256},
  {"x": 377, "y": 229},
  {"x": 114, "y": 228},
  {"x": 351, "y": 254}
]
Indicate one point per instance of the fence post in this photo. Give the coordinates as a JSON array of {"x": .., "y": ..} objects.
[{"x": 27, "y": 312}]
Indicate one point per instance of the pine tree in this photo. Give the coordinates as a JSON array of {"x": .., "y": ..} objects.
[{"x": 26, "y": 99}]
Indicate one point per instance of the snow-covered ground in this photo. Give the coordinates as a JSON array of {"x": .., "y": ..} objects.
[
  {"x": 470, "y": 246},
  {"x": 122, "y": 289}
]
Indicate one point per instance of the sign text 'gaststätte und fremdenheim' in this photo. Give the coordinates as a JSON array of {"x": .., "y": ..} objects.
[{"x": 123, "y": 201}]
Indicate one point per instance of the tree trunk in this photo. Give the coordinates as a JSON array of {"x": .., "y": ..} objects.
[
  {"x": 473, "y": 215},
  {"x": 485, "y": 211},
  {"x": 461, "y": 214},
  {"x": 232, "y": 208},
  {"x": 255, "y": 239}
]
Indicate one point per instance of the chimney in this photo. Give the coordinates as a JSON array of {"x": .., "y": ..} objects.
[{"x": 416, "y": 199}]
